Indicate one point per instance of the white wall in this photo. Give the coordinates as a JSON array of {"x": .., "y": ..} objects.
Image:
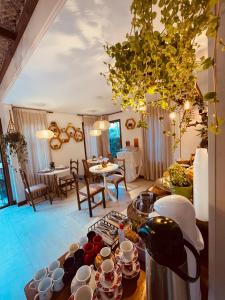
[
  {"x": 189, "y": 141},
  {"x": 71, "y": 149},
  {"x": 128, "y": 135}
]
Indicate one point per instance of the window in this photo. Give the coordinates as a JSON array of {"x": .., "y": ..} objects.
[{"x": 115, "y": 138}]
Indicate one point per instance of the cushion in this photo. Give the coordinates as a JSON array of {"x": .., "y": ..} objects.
[
  {"x": 94, "y": 188},
  {"x": 37, "y": 187},
  {"x": 115, "y": 178}
]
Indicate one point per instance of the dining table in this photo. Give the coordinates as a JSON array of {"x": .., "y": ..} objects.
[
  {"x": 98, "y": 160},
  {"x": 104, "y": 171},
  {"x": 52, "y": 180}
]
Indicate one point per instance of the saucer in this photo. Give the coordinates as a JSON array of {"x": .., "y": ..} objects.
[
  {"x": 133, "y": 273},
  {"x": 75, "y": 285},
  {"x": 119, "y": 255},
  {"x": 108, "y": 287},
  {"x": 98, "y": 295}
]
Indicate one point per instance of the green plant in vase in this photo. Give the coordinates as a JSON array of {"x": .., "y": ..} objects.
[
  {"x": 14, "y": 143},
  {"x": 180, "y": 181}
]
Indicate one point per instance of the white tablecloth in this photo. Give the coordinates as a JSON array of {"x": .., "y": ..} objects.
[{"x": 133, "y": 162}]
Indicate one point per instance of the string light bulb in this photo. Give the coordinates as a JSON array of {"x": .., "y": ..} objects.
[
  {"x": 172, "y": 115},
  {"x": 187, "y": 105}
]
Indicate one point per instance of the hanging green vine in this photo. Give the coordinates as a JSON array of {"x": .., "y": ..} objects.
[{"x": 163, "y": 62}]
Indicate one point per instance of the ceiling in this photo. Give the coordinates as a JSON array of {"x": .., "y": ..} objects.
[
  {"x": 63, "y": 74},
  {"x": 14, "y": 17}
]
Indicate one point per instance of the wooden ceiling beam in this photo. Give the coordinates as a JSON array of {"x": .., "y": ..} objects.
[
  {"x": 23, "y": 22},
  {"x": 7, "y": 33}
]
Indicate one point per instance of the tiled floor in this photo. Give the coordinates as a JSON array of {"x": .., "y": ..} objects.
[{"x": 30, "y": 241}]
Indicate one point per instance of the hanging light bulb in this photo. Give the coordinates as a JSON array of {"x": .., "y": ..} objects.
[
  {"x": 142, "y": 106},
  {"x": 101, "y": 125},
  {"x": 44, "y": 134},
  {"x": 95, "y": 132},
  {"x": 172, "y": 115},
  {"x": 187, "y": 105}
]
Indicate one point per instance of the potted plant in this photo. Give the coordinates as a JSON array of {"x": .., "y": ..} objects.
[
  {"x": 180, "y": 180},
  {"x": 159, "y": 57},
  {"x": 14, "y": 143}
]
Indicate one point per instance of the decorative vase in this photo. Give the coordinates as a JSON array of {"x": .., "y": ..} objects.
[{"x": 185, "y": 191}]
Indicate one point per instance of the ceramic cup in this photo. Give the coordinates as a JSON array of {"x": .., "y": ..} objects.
[
  {"x": 44, "y": 289},
  {"x": 89, "y": 253},
  {"x": 91, "y": 234},
  {"x": 57, "y": 278},
  {"x": 84, "y": 293},
  {"x": 83, "y": 240},
  {"x": 37, "y": 278},
  {"x": 54, "y": 265},
  {"x": 98, "y": 243},
  {"x": 127, "y": 249},
  {"x": 105, "y": 253},
  {"x": 83, "y": 274},
  {"x": 108, "y": 270},
  {"x": 73, "y": 248}
]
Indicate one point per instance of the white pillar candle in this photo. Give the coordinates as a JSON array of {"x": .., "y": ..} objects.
[{"x": 200, "y": 182}]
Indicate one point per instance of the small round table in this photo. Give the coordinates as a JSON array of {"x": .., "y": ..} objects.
[
  {"x": 104, "y": 171},
  {"x": 95, "y": 161},
  {"x": 54, "y": 187}
]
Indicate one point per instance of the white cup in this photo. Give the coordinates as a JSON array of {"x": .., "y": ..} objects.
[
  {"x": 54, "y": 265},
  {"x": 44, "y": 289},
  {"x": 83, "y": 240},
  {"x": 42, "y": 273},
  {"x": 108, "y": 270},
  {"x": 73, "y": 248},
  {"x": 105, "y": 252},
  {"x": 57, "y": 278},
  {"x": 84, "y": 293},
  {"x": 83, "y": 274},
  {"x": 107, "y": 266},
  {"x": 127, "y": 248}
]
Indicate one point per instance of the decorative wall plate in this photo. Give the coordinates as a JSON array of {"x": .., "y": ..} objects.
[
  {"x": 78, "y": 136},
  {"x": 70, "y": 129},
  {"x": 130, "y": 123},
  {"x": 54, "y": 127},
  {"x": 55, "y": 143},
  {"x": 64, "y": 136}
]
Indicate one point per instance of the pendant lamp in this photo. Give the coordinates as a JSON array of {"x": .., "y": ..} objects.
[
  {"x": 44, "y": 134},
  {"x": 95, "y": 132},
  {"x": 101, "y": 125}
]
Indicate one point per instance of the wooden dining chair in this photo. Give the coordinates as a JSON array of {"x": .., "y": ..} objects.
[
  {"x": 88, "y": 192},
  {"x": 119, "y": 175},
  {"x": 34, "y": 191},
  {"x": 68, "y": 180},
  {"x": 92, "y": 177},
  {"x": 110, "y": 157}
]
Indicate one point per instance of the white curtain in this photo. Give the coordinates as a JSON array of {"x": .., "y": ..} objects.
[
  {"x": 28, "y": 122},
  {"x": 157, "y": 150},
  {"x": 95, "y": 145},
  {"x": 90, "y": 141}
]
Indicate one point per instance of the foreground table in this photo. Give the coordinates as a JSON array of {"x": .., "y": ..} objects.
[{"x": 131, "y": 291}]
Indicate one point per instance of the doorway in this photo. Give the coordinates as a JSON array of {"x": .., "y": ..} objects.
[
  {"x": 115, "y": 137},
  {"x": 6, "y": 197}
]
